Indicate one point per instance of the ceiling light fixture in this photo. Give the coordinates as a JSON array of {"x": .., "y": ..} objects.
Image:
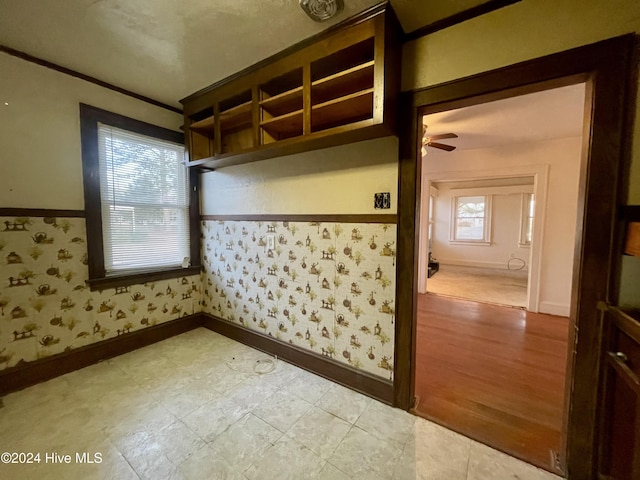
[{"x": 321, "y": 10}]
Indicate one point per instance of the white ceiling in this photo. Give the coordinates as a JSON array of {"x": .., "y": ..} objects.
[
  {"x": 165, "y": 49},
  {"x": 545, "y": 115}
]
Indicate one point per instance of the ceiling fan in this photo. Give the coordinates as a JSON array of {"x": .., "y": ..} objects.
[{"x": 428, "y": 141}]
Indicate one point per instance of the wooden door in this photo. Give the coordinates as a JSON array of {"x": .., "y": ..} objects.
[{"x": 619, "y": 438}]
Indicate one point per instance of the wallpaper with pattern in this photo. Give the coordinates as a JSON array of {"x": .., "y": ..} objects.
[
  {"x": 46, "y": 306},
  {"x": 326, "y": 287}
]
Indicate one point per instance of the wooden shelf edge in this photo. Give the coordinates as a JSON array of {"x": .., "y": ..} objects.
[
  {"x": 229, "y": 120},
  {"x": 281, "y": 96},
  {"x": 202, "y": 126},
  {"x": 280, "y": 118},
  {"x": 346, "y": 98},
  {"x": 241, "y": 109},
  {"x": 343, "y": 73}
]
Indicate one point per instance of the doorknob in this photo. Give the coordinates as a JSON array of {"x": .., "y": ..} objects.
[{"x": 621, "y": 356}]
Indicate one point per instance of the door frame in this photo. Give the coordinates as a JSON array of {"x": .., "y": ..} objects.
[
  {"x": 609, "y": 68},
  {"x": 540, "y": 174}
]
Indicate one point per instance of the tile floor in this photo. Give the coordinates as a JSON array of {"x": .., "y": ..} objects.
[{"x": 192, "y": 407}]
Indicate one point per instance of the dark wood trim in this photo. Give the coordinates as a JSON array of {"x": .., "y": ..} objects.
[
  {"x": 96, "y": 114},
  {"x": 362, "y": 382},
  {"x": 406, "y": 266},
  {"x": 349, "y": 22},
  {"x": 89, "y": 118},
  {"x": 463, "y": 16},
  {"x": 194, "y": 217},
  {"x": 87, "y": 78},
  {"x": 606, "y": 67},
  {"x": 40, "y": 212},
  {"x": 336, "y": 218},
  {"x": 626, "y": 322},
  {"x": 27, "y": 374},
  {"x": 141, "y": 277},
  {"x": 628, "y": 213}
]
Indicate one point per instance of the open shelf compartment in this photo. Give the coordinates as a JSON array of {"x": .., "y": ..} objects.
[{"x": 342, "y": 111}]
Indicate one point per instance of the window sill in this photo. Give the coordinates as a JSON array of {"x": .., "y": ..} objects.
[
  {"x": 134, "y": 278},
  {"x": 470, "y": 242}
]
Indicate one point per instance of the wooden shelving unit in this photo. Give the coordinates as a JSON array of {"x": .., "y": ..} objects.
[{"x": 317, "y": 94}]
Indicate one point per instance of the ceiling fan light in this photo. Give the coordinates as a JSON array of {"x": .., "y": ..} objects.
[{"x": 321, "y": 10}]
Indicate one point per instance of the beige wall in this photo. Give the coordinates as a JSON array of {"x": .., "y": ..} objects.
[
  {"x": 506, "y": 209},
  {"x": 526, "y": 30},
  {"x": 338, "y": 180},
  {"x": 40, "y": 154},
  {"x": 560, "y": 158},
  {"x": 46, "y": 305}
]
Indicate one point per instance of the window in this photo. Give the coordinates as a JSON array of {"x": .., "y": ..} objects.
[
  {"x": 139, "y": 206},
  {"x": 471, "y": 219},
  {"x": 527, "y": 215}
]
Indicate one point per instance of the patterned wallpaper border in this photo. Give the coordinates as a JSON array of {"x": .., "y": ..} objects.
[
  {"x": 40, "y": 212},
  {"x": 389, "y": 218}
]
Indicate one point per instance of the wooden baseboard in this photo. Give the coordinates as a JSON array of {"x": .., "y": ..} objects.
[
  {"x": 31, "y": 373},
  {"x": 27, "y": 374},
  {"x": 363, "y": 382}
]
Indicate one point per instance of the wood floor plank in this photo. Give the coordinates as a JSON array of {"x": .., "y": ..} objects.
[{"x": 493, "y": 373}]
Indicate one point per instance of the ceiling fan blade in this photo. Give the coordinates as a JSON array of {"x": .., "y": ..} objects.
[
  {"x": 441, "y": 146},
  {"x": 444, "y": 135}
]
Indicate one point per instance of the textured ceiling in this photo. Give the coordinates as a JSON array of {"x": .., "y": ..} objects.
[
  {"x": 166, "y": 49},
  {"x": 557, "y": 113}
]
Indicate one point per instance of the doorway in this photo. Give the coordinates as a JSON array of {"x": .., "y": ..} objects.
[
  {"x": 505, "y": 383},
  {"x": 605, "y": 148},
  {"x": 461, "y": 263}
]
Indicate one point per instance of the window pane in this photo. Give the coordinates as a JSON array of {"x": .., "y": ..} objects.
[
  {"x": 470, "y": 217},
  {"x": 470, "y": 207},
  {"x": 526, "y": 233},
  {"x": 145, "y": 201},
  {"x": 470, "y": 229}
]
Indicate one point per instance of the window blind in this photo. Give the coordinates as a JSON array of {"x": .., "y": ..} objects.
[{"x": 145, "y": 201}]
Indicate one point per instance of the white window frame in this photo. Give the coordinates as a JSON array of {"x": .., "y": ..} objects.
[
  {"x": 486, "y": 234},
  {"x": 524, "y": 219}
]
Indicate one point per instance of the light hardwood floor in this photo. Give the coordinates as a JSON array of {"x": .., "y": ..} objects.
[{"x": 493, "y": 373}]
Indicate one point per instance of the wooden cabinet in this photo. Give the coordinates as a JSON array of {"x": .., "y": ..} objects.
[
  {"x": 619, "y": 439},
  {"x": 338, "y": 87}
]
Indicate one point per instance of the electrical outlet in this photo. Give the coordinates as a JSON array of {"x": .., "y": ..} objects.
[
  {"x": 382, "y": 200},
  {"x": 271, "y": 241}
]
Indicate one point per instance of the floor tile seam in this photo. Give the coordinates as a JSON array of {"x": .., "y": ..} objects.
[
  {"x": 290, "y": 426},
  {"x": 126, "y": 459},
  {"x": 264, "y": 453}
]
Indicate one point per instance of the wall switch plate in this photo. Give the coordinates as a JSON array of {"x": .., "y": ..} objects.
[
  {"x": 382, "y": 200},
  {"x": 271, "y": 241}
]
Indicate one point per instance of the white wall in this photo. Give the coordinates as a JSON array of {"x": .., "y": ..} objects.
[
  {"x": 563, "y": 157},
  {"x": 338, "y": 180},
  {"x": 40, "y": 153},
  {"x": 520, "y": 32},
  {"x": 505, "y": 231}
]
